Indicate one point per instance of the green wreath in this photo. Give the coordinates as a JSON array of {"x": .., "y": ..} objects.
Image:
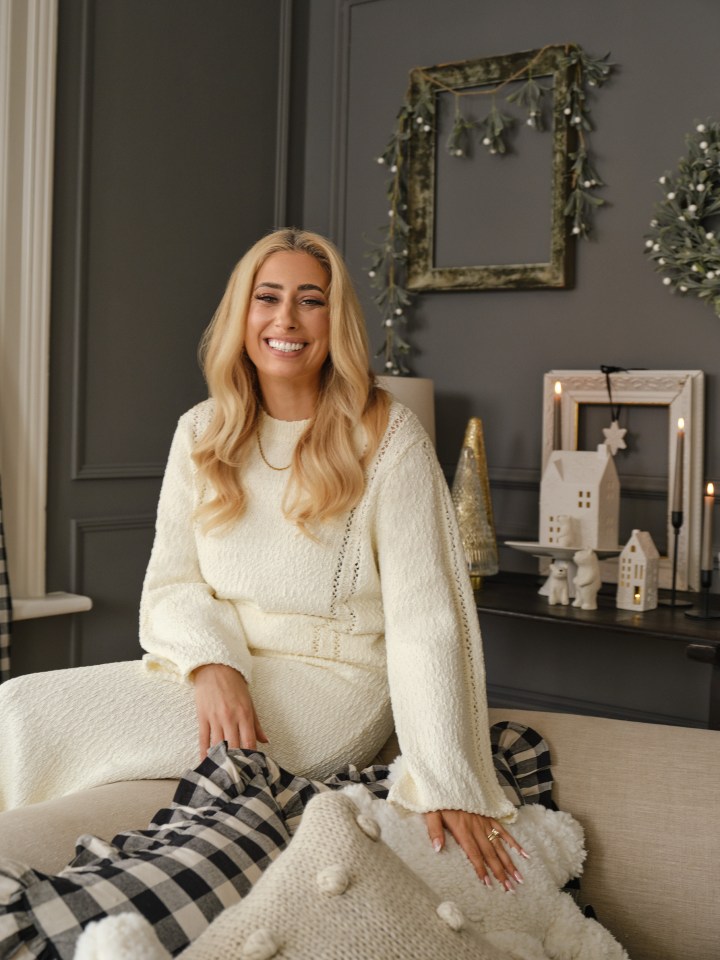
[{"x": 682, "y": 241}]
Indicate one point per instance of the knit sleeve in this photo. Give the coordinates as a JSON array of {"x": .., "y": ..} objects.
[
  {"x": 183, "y": 624},
  {"x": 434, "y": 651}
]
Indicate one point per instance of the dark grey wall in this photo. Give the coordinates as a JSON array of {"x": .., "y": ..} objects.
[
  {"x": 171, "y": 142},
  {"x": 487, "y": 351}
]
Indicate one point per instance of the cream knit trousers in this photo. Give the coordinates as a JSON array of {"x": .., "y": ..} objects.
[{"x": 66, "y": 730}]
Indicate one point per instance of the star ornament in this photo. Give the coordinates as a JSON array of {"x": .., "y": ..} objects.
[{"x": 615, "y": 437}]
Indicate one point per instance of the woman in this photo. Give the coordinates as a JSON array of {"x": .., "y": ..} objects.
[{"x": 306, "y": 586}]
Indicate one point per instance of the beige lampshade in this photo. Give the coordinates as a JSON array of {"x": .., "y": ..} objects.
[{"x": 418, "y": 394}]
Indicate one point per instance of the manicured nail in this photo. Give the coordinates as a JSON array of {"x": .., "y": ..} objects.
[
  {"x": 518, "y": 877},
  {"x": 508, "y": 886},
  {"x": 487, "y": 881},
  {"x": 524, "y": 854},
  {"x": 437, "y": 844}
]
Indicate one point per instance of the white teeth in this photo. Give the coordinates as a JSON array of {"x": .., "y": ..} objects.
[{"x": 284, "y": 346}]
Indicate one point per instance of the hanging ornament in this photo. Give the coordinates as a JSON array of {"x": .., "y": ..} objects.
[
  {"x": 615, "y": 437},
  {"x": 614, "y": 434}
]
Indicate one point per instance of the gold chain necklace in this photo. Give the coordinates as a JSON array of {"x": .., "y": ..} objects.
[{"x": 264, "y": 458}]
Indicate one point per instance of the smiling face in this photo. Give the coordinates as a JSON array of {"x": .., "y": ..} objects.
[{"x": 287, "y": 335}]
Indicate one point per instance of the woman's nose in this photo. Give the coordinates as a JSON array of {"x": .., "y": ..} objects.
[{"x": 286, "y": 314}]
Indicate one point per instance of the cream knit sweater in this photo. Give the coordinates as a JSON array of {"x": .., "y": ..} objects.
[
  {"x": 372, "y": 623},
  {"x": 321, "y": 629}
]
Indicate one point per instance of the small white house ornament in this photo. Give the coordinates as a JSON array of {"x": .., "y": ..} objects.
[
  {"x": 581, "y": 485},
  {"x": 638, "y": 569}
]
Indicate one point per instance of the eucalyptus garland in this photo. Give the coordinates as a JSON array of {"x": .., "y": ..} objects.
[
  {"x": 683, "y": 240},
  {"x": 388, "y": 259}
]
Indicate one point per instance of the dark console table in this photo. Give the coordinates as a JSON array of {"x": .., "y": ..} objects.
[{"x": 516, "y": 595}]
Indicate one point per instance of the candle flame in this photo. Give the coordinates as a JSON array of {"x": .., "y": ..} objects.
[
  {"x": 681, "y": 423},
  {"x": 558, "y": 387},
  {"x": 711, "y": 490}
]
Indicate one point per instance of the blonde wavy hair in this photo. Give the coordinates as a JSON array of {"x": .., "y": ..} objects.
[{"x": 327, "y": 475}]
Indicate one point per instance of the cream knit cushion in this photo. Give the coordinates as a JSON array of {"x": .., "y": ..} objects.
[{"x": 340, "y": 892}]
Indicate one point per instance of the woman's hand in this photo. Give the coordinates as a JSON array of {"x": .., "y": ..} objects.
[
  {"x": 225, "y": 709},
  {"x": 473, "y": 831}
]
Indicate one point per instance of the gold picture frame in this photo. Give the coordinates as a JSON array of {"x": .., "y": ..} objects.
[{"x": 431, "y": 82}]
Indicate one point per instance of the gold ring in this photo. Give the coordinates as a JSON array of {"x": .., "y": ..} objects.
[{"x": 493, "y": 835}]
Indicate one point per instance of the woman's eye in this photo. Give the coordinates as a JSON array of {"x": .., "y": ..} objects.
[
  {"x": 313, "y": 302},
  {"x": 266, "y": 297}
]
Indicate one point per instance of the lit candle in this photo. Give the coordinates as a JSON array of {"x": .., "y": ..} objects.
[
  {"x": 677, "y": 494},
  {"x": 707, "y": 538},
  {"x": 557, "y": 419}
]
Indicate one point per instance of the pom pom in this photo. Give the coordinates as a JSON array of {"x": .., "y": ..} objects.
[
  {"x": 260, "y": 945},
  {"x": 125, "y": 936},
  {"x": 370, "y": 827},
  {"x": 451, "y": 914},
  {"x": 333, "y": 880}
]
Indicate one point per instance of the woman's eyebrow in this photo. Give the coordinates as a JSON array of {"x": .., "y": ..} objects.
[{"x": 280, "y": 286}]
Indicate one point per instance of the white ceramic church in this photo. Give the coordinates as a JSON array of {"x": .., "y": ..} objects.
[
  {"x": 638, "y": 573},
  {"x": 582, "y": 485}
]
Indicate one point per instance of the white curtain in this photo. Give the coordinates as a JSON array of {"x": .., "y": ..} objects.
[{"x": 5, "y": 606}]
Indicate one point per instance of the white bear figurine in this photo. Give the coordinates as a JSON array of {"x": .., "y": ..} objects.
[
  {"x": 558, "y": 583},
  {"x": 587, "y": 580}
]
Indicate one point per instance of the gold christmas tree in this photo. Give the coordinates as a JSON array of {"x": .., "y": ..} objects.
[{"x": 473, "y": 506}]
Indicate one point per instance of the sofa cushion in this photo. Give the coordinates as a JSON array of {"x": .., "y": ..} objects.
[
  {"x": 44, "y": 834},
  {"x": 647, "y": 797}
]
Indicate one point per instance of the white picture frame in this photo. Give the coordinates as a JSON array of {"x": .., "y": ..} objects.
[{"x": 682, "y": 392}]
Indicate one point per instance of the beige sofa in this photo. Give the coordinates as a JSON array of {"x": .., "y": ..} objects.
[{"x": 647, "y": 795}]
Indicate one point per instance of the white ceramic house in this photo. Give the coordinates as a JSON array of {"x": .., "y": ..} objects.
[
  {"x": 638, "y": 569},
  {"x": 583, "y": 485}
]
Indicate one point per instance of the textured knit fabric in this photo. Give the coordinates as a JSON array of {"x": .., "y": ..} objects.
[
  {"x": 5, "y": 605},
  {"x": 381, "y": 593},
  {"x": 67, "y": 730},
  {"x": 376, "y": 609},
  {"x": 340, "y": 893}
]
